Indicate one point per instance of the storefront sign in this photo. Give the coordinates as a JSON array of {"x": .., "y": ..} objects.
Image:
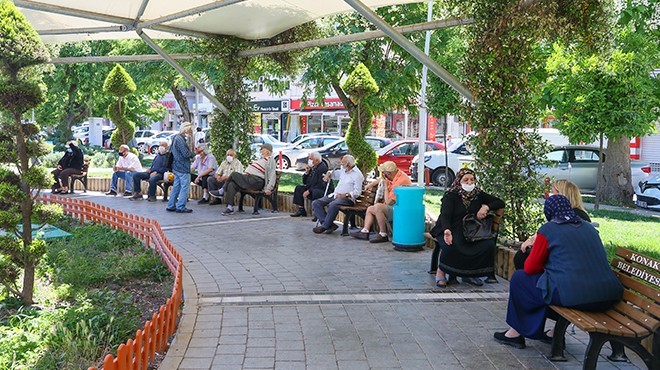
[
  {"x": 269, "y": 106},
  {"x": 311, "y": 104}
]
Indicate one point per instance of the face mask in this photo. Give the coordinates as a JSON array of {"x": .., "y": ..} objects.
[
  {"x": 229, "y": 159},
  {"x": 69, "y": 150},
  {"x": 162, "y": 150},
  {"x": 310, "y": 162},
  {"x": 343, "y": 168},
  {"x": 468, "y": 187}
]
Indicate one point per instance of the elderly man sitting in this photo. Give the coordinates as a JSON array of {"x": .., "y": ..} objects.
[
  {"x": 229, "y": 165},
  {"x": 259, "y": 175},
  {"x": 202, "y": 168},
  {"x": 314, "y": 187},
  {"x": 345, "y": 194},
  {"x": 392, "y": 177},
  {"x": 161, "y": 164},
  {"x": 127, "y": 165}
]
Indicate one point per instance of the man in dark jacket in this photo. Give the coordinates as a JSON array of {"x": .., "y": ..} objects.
[
  {"x": 71, "y": 163},
  {"x": 162, "y": 163},
  {"x": 313, "y": 185}
]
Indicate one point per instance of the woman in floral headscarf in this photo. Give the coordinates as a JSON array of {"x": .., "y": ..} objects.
[
  {"x": 567, "y": 267},
  {"x": 458, "y": 257}
]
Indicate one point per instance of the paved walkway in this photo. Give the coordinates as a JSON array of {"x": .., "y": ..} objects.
[{"x": 265, "y": 292}]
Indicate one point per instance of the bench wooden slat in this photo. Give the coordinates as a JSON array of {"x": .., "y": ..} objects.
[
  {"x": 627, "y": 322},
  {"x": 258, "y": 195}
]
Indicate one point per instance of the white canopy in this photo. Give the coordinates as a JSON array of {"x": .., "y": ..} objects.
[{"x": 75, "y": 20}]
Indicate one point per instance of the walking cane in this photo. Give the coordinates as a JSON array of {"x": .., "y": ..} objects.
[{"x": 327, "y": 186}]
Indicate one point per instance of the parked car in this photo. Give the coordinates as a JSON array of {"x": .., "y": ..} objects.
[
  {"x": 141, "y": 137},
  {"x": 647, "y": 192},
  {"x": 402, "y": 152},
  {"x": 303, "y": 147},
  {"x": 435, "y": 162},
  {"x": 153, "y": 142},
  {"x": 310, "y": 134},
  {"x": 259, "y": 139},
  {"x": 331, "y": 154},
  {"x": 579, "y": 164}
]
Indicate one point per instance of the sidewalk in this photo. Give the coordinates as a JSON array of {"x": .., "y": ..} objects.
[{"x": 265, "y": 292}]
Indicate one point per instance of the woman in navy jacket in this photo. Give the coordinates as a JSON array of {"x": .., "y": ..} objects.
[{"x": 567, "y": 267}]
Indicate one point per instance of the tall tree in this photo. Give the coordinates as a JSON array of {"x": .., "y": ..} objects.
[
  {"x": 610, "y": 94},
  {"x": 119, "y": 84},
  {"x": 501, "y": 67},
  {"x": 20, "y": 90}
]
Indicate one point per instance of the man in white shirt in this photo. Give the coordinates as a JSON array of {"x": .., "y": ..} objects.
[
  {"x": 127, "y": 165},
  {"x": 346, "y": 192}
]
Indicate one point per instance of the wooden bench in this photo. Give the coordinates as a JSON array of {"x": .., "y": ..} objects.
[
  {"x": 258, "y": 195},
  {"x": 627, "y": 323},
  {"x": 362, "y": 202},
  {"x": 82, "y": 178}
]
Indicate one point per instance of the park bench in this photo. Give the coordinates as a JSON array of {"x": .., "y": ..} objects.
[
  {"x": 631, "y": 320},
  {"x": 259, "y": 195},
  {"x": 362, "y": 202},
  {"x": 164, "y": 186},
  {"x": 497, "y": 218},
  {"x": 82, "y": 178}
]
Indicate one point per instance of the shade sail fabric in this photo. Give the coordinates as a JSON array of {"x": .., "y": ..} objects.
[{"x": 248, "y": 19}]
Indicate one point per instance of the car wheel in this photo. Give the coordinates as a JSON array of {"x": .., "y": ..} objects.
[
  {"x": 438, "y": 177},
  {"x": 140, "y": 147},
  {"x": 154, "y": 149},
  {"x": 286, "y": 162}
]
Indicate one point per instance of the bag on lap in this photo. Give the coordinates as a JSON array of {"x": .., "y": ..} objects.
[{"x": 475, "y": 229}]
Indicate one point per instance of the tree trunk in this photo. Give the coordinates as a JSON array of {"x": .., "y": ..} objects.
[
  {"x": 183, "y": 104},
  {"x": 26, "y": 212},
  {"x": 616, "y": 186}
]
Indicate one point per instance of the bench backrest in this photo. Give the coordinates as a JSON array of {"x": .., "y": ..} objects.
[
  {"x": 367, "y": 198},
  {"x": 85, "y": 168},
  {"x": 496, "y": 220},
  {"x": 640, "y": 276},
  {"x": 278, "y": 173}
]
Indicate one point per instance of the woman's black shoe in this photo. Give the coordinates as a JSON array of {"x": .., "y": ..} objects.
[
  {"x": 473, "y": 281},
  {"x": 517, "y": 342},
  {"x": 300, "y": 212}
]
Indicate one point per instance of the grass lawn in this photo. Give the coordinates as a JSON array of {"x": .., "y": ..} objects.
[{"x": 94, "y": 290}]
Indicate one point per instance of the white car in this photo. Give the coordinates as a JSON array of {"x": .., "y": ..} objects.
[
  {"x": 142, "y": 136},
  {"x": 151, "y": 145},
  {"x": 303, "y": 147},
  {"x": 435, "y": 162},
  {"x": 647, "y": 192}
]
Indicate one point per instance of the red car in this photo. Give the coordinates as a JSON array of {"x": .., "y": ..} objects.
[{"x": 402, "y": 152}]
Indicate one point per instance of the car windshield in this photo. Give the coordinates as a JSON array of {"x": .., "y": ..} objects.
[{"x": 163, "y": 134}]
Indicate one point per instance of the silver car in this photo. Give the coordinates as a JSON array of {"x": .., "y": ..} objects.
[
  {"x": 304, "y": 147},
  {"x": 579, "y": 164}
]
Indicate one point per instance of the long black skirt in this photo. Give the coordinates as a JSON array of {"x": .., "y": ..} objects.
[{"x": 468, "y": 259}]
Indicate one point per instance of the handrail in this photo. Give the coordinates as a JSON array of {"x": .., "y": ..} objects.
[{"x": 136, "y": 353}]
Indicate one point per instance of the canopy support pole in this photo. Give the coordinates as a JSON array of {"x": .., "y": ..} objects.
[
  {"x": 411, "y": 48},
  {"x": 182, "y": 71}
]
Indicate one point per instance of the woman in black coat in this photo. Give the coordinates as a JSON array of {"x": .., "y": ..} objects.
[
  {"x": 459, "y": 257},
  {"x": 70, "y": 164}
]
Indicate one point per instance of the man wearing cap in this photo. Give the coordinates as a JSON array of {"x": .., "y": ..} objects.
[
  {"x": 392, "y": 177},
  {"x": 259, "y": 175}
]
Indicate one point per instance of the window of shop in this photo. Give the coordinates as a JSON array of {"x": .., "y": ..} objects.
[{"x": 314, "y": 123}]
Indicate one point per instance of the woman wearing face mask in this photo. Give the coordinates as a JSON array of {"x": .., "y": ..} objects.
[
  {"x": 458, "y": 257},
  {"x": 70, "y": 164}
]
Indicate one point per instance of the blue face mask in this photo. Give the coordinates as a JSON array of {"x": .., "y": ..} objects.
[{"x": 69, "y": 150}]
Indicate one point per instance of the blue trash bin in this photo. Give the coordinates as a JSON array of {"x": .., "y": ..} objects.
[{"x": 408, "y": 219}]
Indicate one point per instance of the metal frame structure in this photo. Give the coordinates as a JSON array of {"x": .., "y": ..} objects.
[{"x": 127, "y": 24}]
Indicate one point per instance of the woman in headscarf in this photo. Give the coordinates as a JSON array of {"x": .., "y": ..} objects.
[
  {"x": 458, "y": 257},
  {"x": 567, "y": 267}
]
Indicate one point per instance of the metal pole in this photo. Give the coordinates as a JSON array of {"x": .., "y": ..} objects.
[
  {"x": 182, "y": 71},
  {"x": 411, "y": 48},
  {"x": 423, "y": 113}
]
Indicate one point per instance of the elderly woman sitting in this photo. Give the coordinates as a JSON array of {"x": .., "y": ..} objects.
[
  {"x": 567, "y": 267},
  {"x": 458, "y": 256}
]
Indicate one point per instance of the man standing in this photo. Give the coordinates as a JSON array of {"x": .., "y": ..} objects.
[
  {"x": 161, "y": 164},
  {"x": 127, "y": 165},
  {"x": 259, "y": 175},
  {"x": 313, "y": 185},
  {"x": 345, "y": 194},
  {"x": 382, "y": 212},
  {"x": 182, "y": 150},
  {"x": 202, "y": 168},
  {"x": 228, "y": 166}
]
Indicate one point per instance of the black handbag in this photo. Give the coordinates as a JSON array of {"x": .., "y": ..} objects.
[{"x": 475, "y": 229}]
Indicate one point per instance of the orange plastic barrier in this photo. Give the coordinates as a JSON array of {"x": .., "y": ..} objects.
[{"x": 136, "y": 353}]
